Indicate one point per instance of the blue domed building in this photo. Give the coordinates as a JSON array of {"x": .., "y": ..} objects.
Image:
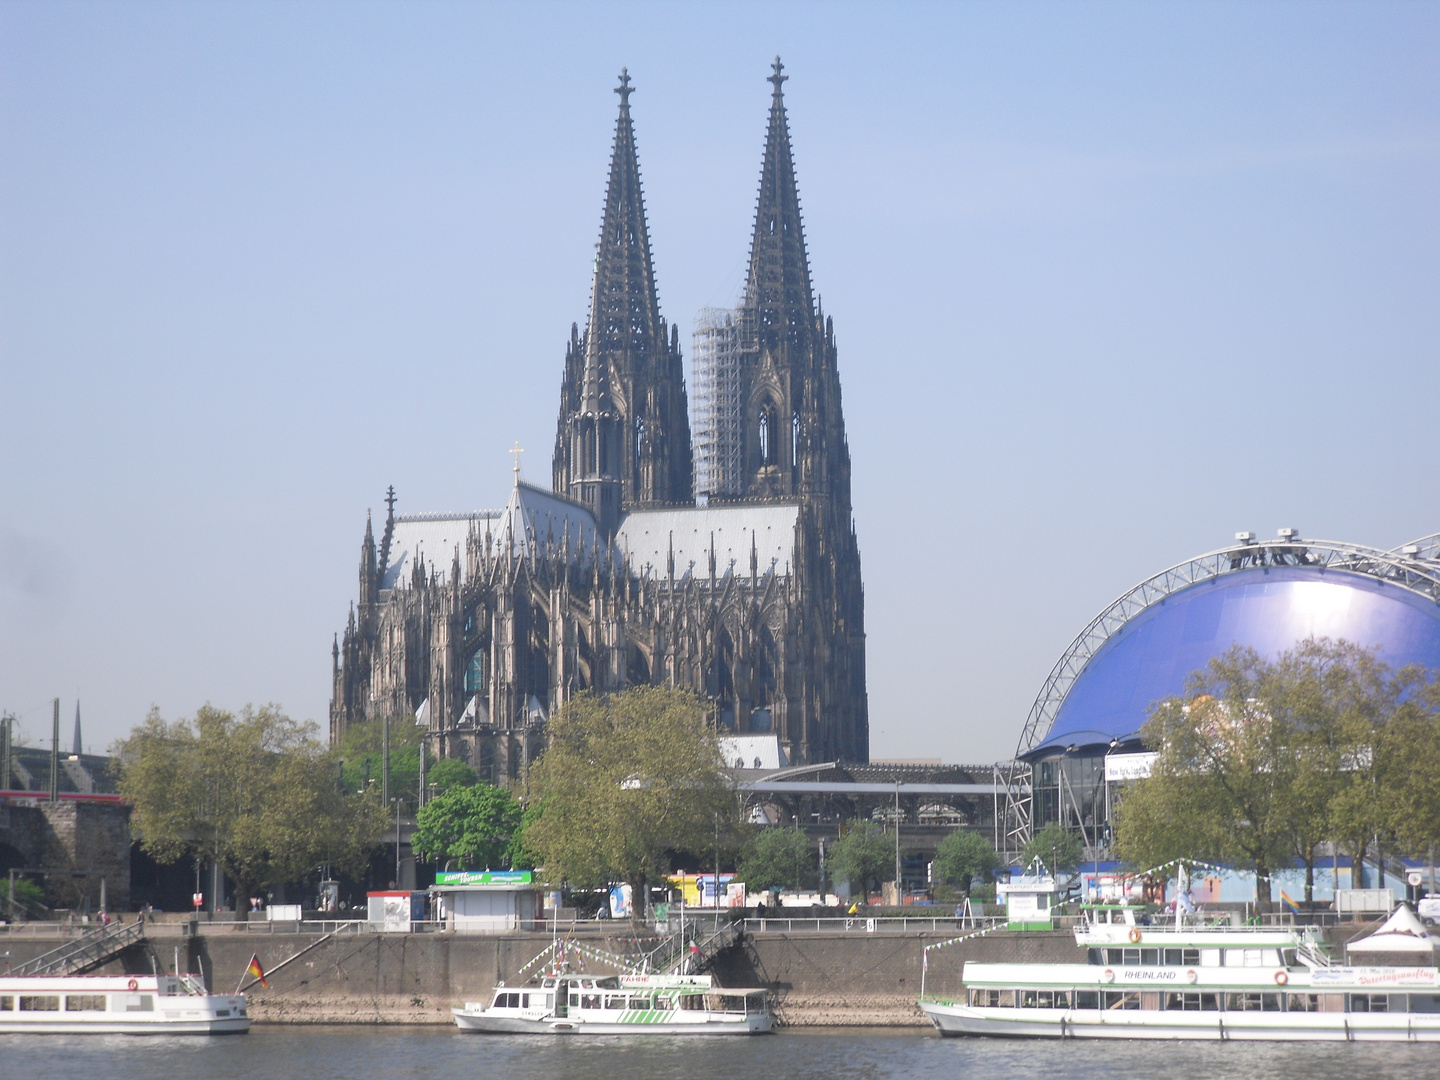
[{"x": 1142, "y": 647}]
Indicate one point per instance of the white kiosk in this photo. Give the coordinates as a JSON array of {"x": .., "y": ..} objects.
[
  {"x": 1029, "y": 901},
  {"x": 488, "y": 901}
]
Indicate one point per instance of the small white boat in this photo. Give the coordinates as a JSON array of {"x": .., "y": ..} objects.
[
  {"x": 1178, "y": 980},
  {"x": 619, "y": 1005},
  {"x": 118, "y": 1005}
]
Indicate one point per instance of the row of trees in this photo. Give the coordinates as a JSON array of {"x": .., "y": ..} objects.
[
  {"x": 629, "y": 783},
  {"x": 1260, "y": 763},
  {"x": 256, "y": 792}
]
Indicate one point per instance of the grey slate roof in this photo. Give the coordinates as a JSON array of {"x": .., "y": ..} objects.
[{"x": 646, "y": 536}]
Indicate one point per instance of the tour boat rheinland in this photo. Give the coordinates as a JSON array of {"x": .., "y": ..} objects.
[
  {"x": 619, "y": 1005},
  {"x": 1179, "y": 980},
  {"x": 118, "y": 1005}
]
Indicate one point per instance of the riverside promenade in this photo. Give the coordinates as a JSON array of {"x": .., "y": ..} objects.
[
  {"x": 834, "y": 972},
  {"x": 822, "y": 973}
]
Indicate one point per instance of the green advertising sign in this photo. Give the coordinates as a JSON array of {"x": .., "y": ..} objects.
[{"x": 484, "y": 877}]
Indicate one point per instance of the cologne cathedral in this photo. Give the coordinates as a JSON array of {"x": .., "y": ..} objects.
[{"x": 480, "y": 626}]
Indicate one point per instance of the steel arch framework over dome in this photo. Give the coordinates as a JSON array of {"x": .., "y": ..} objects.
[{"x": 1268, "y": 596}]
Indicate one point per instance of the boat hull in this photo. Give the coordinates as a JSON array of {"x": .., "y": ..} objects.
[
  {"x": 963, "y": 1020},
  {"x": 485, "y": 1024},
  {"x": 235, "y": 1026}
]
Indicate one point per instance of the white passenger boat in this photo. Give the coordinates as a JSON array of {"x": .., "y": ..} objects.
[
  {"x": 619, "y": 1005},
  {"x": 1186, "y": 981},
  {"x": 118, "y": 1005}
]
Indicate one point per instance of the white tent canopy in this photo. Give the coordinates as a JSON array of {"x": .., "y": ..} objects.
[{"x": 1402, "y": 932}]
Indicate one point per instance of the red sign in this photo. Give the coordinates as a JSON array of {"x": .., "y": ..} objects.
[{"x": 198, "y": 899}]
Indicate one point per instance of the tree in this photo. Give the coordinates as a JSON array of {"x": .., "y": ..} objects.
[
  {"x": 477, "y": 825},
  {"x": 1411, "y": 760},
  {"x": 863, "y": 855},
  {"x": 1259, "y": 762},
  {"x": 449, "y": 773},
  {"x": 361, "y": 751},
  {"x": 627, "y": 778},
  {"x": 1216, "y": 789},
  {"x": 1055, "y": 846},
  {"x": 776, "y": 857},
  {"x": 255, "y": 792},
  {"x": 1328, "y": 695},
  {"x": 962, "y": 857}
]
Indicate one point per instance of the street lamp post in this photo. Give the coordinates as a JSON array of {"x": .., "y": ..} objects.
[
  {"x": 396, "y": 801},
  {"x": 897, "y": 842}
]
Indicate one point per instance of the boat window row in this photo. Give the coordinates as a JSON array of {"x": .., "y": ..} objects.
[
  {"x": 616, "y": 1001},
  {"x": 1142, "y": 957},
  {"x": 1201, "y": 1001},
  {"x": 52, "y": 1003},
  {"x": 512, "y": 999},
  {"x": 1145, "y": 957}
]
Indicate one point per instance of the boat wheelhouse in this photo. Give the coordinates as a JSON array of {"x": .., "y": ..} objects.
[
  {"x": 118, "y": 1005},
  {"x": 1186, "y": 978},
  {"x": 619, "y": 1005}
]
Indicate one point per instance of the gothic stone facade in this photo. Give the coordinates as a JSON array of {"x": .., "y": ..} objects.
[{"x": 480, "y": 626}]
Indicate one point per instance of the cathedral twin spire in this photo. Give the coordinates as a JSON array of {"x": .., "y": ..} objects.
[
  {"x": 777, "y": 290},
  {"x": 623, "y": 437}
]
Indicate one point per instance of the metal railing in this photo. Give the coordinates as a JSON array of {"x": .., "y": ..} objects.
[
  {"x": 85, "y": 952},
  {"x": 859, "y": 924}
]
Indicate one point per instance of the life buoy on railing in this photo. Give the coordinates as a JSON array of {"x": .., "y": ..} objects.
[
  {"x": 1281, "y": 978},
  {"x": 1191, "y": 975},
  {"x": 1135, "y": 935},
  {"x": 1109, "y": 976},
  {"x": 133, "y": 984}
]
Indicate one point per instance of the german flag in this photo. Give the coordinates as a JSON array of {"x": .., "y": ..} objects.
[{"x": 256, "y": 970}]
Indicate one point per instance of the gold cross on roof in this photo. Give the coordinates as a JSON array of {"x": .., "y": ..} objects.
[{"x": 517, "y": 452}]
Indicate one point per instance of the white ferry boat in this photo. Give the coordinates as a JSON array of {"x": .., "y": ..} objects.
[
  {"x": 118, "y": 1005},
  {"x": 1178, "y": 980},
  {"x": 619, "y": 1005}
]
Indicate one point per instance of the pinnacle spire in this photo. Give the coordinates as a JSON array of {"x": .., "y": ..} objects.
[
  {"x": 625, "y": 321},
  {"x": 777, "y": 292}
]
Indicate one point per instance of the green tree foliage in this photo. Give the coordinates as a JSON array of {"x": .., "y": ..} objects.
[
  {"x": 627, "y": 779},
  {"x": 1055, "y": 846},
  {"x": 449, "y": 773},
  {"x": 29, "y": 898},
  {"x": 1259, "y": 762},
  {"x": 863, "y": 856},
  {"x": 477, "y": 825},
  {"x": 776, "y": 857},
  {"x": 255, "y": 792},
  {"x": 361, "y": 751},
  {"x": 962, "y": 857}
]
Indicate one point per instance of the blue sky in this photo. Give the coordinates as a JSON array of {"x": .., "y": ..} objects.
[{"x": 1110, "y": 282}]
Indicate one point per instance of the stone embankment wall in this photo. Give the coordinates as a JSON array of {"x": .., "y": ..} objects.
[{"x": 817, "y": 979}]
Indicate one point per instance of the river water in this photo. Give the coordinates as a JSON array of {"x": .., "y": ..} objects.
[{"x": 400, "y": 1053}]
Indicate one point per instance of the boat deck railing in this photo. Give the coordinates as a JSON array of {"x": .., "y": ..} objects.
[{"x": 860, "y": 924}]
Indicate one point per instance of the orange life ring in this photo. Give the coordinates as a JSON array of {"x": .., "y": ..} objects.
[
  {"x": 1135, "y": 935},
  {"x": 1281, "y": 978},
  {"x": 133, "y": 984}
]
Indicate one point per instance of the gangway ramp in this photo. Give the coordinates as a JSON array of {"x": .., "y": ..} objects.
[{"x": 85, "y": 953}]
